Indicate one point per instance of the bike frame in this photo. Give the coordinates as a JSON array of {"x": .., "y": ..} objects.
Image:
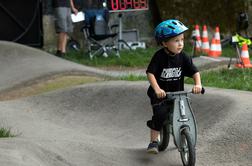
[
  {"x": 182, "y": 125},
  {"x": 182, "y": 117}
]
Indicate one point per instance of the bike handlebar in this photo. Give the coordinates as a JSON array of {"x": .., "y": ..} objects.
[
  {"x": 184, "y": 92},
  {"x": 171, "y": 95}
]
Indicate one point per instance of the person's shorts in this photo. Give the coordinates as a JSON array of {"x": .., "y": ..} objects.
[
  {"x": 160, "y": 112},
  {"x": 63, "y": 21}
]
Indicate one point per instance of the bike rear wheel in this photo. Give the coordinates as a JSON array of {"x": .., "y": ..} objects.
[
  {"x": 187, "y": 152},
  {"x": 164, "y": 138}
]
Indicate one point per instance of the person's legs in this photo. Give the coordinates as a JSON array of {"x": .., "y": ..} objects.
[
  {"x": 153, "y": 145},
  {"x": 160, "y": 114},
  {"x": 63, "y": 26},
  {"x": 62, "y": 41},
  {"x": 154, "y": 135},
  {"x": 68, "y": 28}
]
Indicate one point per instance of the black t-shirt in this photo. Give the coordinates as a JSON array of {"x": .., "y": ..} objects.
[
  {"x": 60, "y": 3},
  {"x": 170, "y": 71}
]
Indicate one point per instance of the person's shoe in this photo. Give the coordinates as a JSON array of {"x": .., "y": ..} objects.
[
  {"x": 58, "y": 53},
  {"x": 153, "y": 148},
  {"x": 63, "y": 54}
]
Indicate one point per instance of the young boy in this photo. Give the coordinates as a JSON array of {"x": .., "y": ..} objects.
[{"x": 166, "y": 73}]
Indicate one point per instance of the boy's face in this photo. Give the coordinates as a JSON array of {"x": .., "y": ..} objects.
[{"x": 175, "y": 44}]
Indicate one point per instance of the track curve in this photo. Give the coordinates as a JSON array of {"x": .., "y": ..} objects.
[{"x": 104, "y": 123}]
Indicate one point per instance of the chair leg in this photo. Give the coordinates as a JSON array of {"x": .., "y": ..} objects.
[
  {"x": 105, "y": 54},
  {"x": 117, "y": 53},
  {"x": 96, "y": 48},
  {"x": 99, "y": 52},
  {"x": 123, "y": 42},
  {"x": 91, "y": 55}
]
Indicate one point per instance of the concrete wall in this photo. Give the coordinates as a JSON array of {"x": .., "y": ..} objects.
[{"x": 143, "y": 21}]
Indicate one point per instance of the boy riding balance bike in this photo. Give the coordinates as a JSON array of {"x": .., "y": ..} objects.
[{"x": 166, "y": 72}]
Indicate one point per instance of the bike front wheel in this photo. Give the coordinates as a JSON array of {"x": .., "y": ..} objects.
[
  {"x": 187, "y": 152},
  {"x": 164, "y": 138}
]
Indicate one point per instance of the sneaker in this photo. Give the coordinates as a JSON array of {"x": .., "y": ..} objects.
[
  {"x": 58, "y": 53},
  {"x": 63, "y": 54},
  {"x": 153, "y": 148}
]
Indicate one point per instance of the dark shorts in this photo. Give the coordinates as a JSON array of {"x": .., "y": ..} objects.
[
  {"x": 63, "y": 21},
  {"x": 161, "y": 111}
]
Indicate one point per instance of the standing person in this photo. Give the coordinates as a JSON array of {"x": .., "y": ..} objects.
[
  {"x": 63, "y": 23},
  {"x": 166, "y": 73}
]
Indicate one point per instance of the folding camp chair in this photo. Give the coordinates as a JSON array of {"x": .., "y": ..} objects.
[{"x": 100, "y": 38}]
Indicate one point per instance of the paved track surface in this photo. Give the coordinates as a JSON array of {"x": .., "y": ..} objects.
[{"x": 103, "y": 124}]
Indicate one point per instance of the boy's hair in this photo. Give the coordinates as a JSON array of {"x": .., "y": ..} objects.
[{"x": 168, "y": 29}]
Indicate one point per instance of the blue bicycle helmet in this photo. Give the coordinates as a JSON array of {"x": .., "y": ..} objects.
[{"x": 168, "y": 29}]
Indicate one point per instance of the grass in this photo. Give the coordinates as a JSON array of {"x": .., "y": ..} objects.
[
  {"x": 133, "y": 78},
  {"x": 62, "y": 82},
  {"x": 51, "y": 84},
  {"x": 240, "y": 79},
  {"x": 224, "y": 78},
  {"x": 138, "y": 58},
  {"x": 237, "y": 78},
  {"x": 4, "y": 133}
]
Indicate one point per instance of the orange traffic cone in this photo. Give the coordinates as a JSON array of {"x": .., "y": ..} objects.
[
  {"x": 205, "y": 43},
  {"x": 218, "y": 42},
  {"x": 198, "y": 40},
  {"x": 213, "y": 50},
  {"x": 245, "y": 62}
]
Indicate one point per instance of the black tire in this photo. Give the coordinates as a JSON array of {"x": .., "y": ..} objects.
[
  {"x": 187, "y": 152},
  {"x": 164, "y": 138}
]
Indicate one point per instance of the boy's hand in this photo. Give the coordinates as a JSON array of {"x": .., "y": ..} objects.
[
  {"x": 160, "y": 93},
  {"x": 197, "y": 89}
]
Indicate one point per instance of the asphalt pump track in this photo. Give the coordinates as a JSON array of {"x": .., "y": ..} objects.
[{"x": 104, "y": 123}]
